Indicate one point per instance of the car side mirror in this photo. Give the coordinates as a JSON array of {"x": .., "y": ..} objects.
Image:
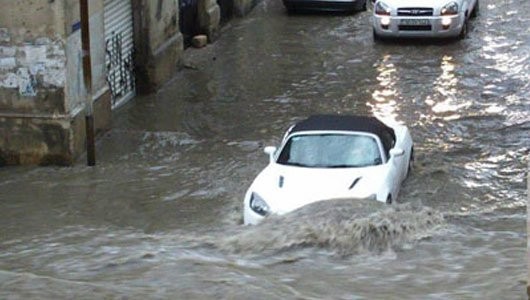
[
  {"x": 396, "y": 152},
  {"x": 270, "y": 150}
]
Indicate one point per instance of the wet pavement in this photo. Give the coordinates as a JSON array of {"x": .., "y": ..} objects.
[{"x": 160, "y": 215}]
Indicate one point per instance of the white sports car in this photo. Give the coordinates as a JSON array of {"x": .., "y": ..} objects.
[
  {"x": 331, "y": 157},
  {"x": 423, "y": 18}
]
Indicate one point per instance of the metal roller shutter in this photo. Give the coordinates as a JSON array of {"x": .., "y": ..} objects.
[{"x": 119, "y": 47}]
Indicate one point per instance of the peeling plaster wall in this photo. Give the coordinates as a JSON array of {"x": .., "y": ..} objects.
[
  {"x": 34, "y": 65},
  {"x": 32, "y": 56},
  {"x": 39, "y": 53}
]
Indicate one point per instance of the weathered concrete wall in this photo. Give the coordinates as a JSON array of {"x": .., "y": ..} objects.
[
  {"x": 75, "y": 90},
  {"x": 209, "y": 18},
  {"x": 159, "y": 43},
  {"x": 32, "y": 57},
  {"x": 38, "y": 141},
  {"x": 41, "y": 88}
]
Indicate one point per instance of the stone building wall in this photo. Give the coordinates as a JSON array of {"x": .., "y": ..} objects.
[
  {"x": 42, "y": 95},
  {"x": 159, "y": 43}
]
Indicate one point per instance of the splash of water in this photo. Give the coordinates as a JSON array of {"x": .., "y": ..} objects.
[{"x": 344, "y": 227}]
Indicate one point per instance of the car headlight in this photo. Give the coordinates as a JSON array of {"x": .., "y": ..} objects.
[
  {"x": 258, "y": 205},
  {"x": 449, "y": 9},
  {"x": 382, "y": 9}
]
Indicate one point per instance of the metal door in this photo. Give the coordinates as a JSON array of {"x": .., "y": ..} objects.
[{"x": 119, "y": 48}]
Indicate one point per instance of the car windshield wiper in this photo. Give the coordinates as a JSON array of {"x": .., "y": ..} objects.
[
  {"x": 342, "y": 166},
  {"x": 349, "y": 166},
  {"x": 322, "y": 166},
  {"x": 294, "y": 164}
]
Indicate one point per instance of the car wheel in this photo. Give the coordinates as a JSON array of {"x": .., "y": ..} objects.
[
  {"x": 474, "y": 12},
  {"x": 463, "y": 32}
]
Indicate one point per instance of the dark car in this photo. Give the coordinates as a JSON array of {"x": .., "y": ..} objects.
[{"x": 325, "y": 5}]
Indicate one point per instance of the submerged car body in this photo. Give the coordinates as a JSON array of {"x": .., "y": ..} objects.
[
  {"x": 423, "y": 18},
  {"x": 331, "y": 157},
  {"x": 325, "y": 5}
]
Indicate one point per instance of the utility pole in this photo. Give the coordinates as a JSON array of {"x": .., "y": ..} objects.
[{"x": 87, "y": 76}]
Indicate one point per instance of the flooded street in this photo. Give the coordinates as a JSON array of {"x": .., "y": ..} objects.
[{"x": 160, "y": 216}]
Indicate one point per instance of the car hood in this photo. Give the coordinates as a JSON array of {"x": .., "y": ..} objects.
[
  {"x": 286, "y": 188},
  {"x": 417, "y": 3}
]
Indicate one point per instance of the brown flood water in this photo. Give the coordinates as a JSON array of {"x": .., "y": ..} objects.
[{"x": 159, "y": 217}]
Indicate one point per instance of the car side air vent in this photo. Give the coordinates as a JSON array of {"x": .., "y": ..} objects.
[{"x": 354, "y": 183}]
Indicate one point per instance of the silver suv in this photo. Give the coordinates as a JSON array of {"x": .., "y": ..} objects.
[{"x": 423, "y": 18}]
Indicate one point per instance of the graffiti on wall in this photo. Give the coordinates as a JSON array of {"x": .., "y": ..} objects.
[{"x": 120, "y": 67}]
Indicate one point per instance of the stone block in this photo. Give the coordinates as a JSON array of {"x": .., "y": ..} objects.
[{"x": 199, "y": 41}]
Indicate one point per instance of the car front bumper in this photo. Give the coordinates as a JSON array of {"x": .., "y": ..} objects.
[
  {"x": 250, "y": 217},
  {"x": 430, "y": 27}
]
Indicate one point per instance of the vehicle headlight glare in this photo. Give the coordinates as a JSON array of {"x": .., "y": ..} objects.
[
  {"x": 385, "y": 21},
  {"x": 446, "y": 21},
  {"x": 258, "y": 205},
  {"x": 382, "y": 9},
  {"x": 450, "y": 8}
]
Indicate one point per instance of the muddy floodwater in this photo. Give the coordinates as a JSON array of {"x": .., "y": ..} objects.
[{"x": 160, "y": 215}]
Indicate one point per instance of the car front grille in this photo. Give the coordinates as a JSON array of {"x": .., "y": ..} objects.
[
  {"x": 415, "y": 11},
  {"x": 415, "y": 27}
]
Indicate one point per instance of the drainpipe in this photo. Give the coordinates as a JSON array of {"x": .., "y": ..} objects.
[{"x": 87, "y": 76}]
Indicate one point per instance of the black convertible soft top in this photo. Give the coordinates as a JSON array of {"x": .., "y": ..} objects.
[{"x": 348, "y": 123}]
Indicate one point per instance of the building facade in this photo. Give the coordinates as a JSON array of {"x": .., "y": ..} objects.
[{"x": 136, "y": 46}]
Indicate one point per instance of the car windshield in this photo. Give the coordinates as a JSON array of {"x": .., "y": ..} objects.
[{"x": 330, "y": 151}]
